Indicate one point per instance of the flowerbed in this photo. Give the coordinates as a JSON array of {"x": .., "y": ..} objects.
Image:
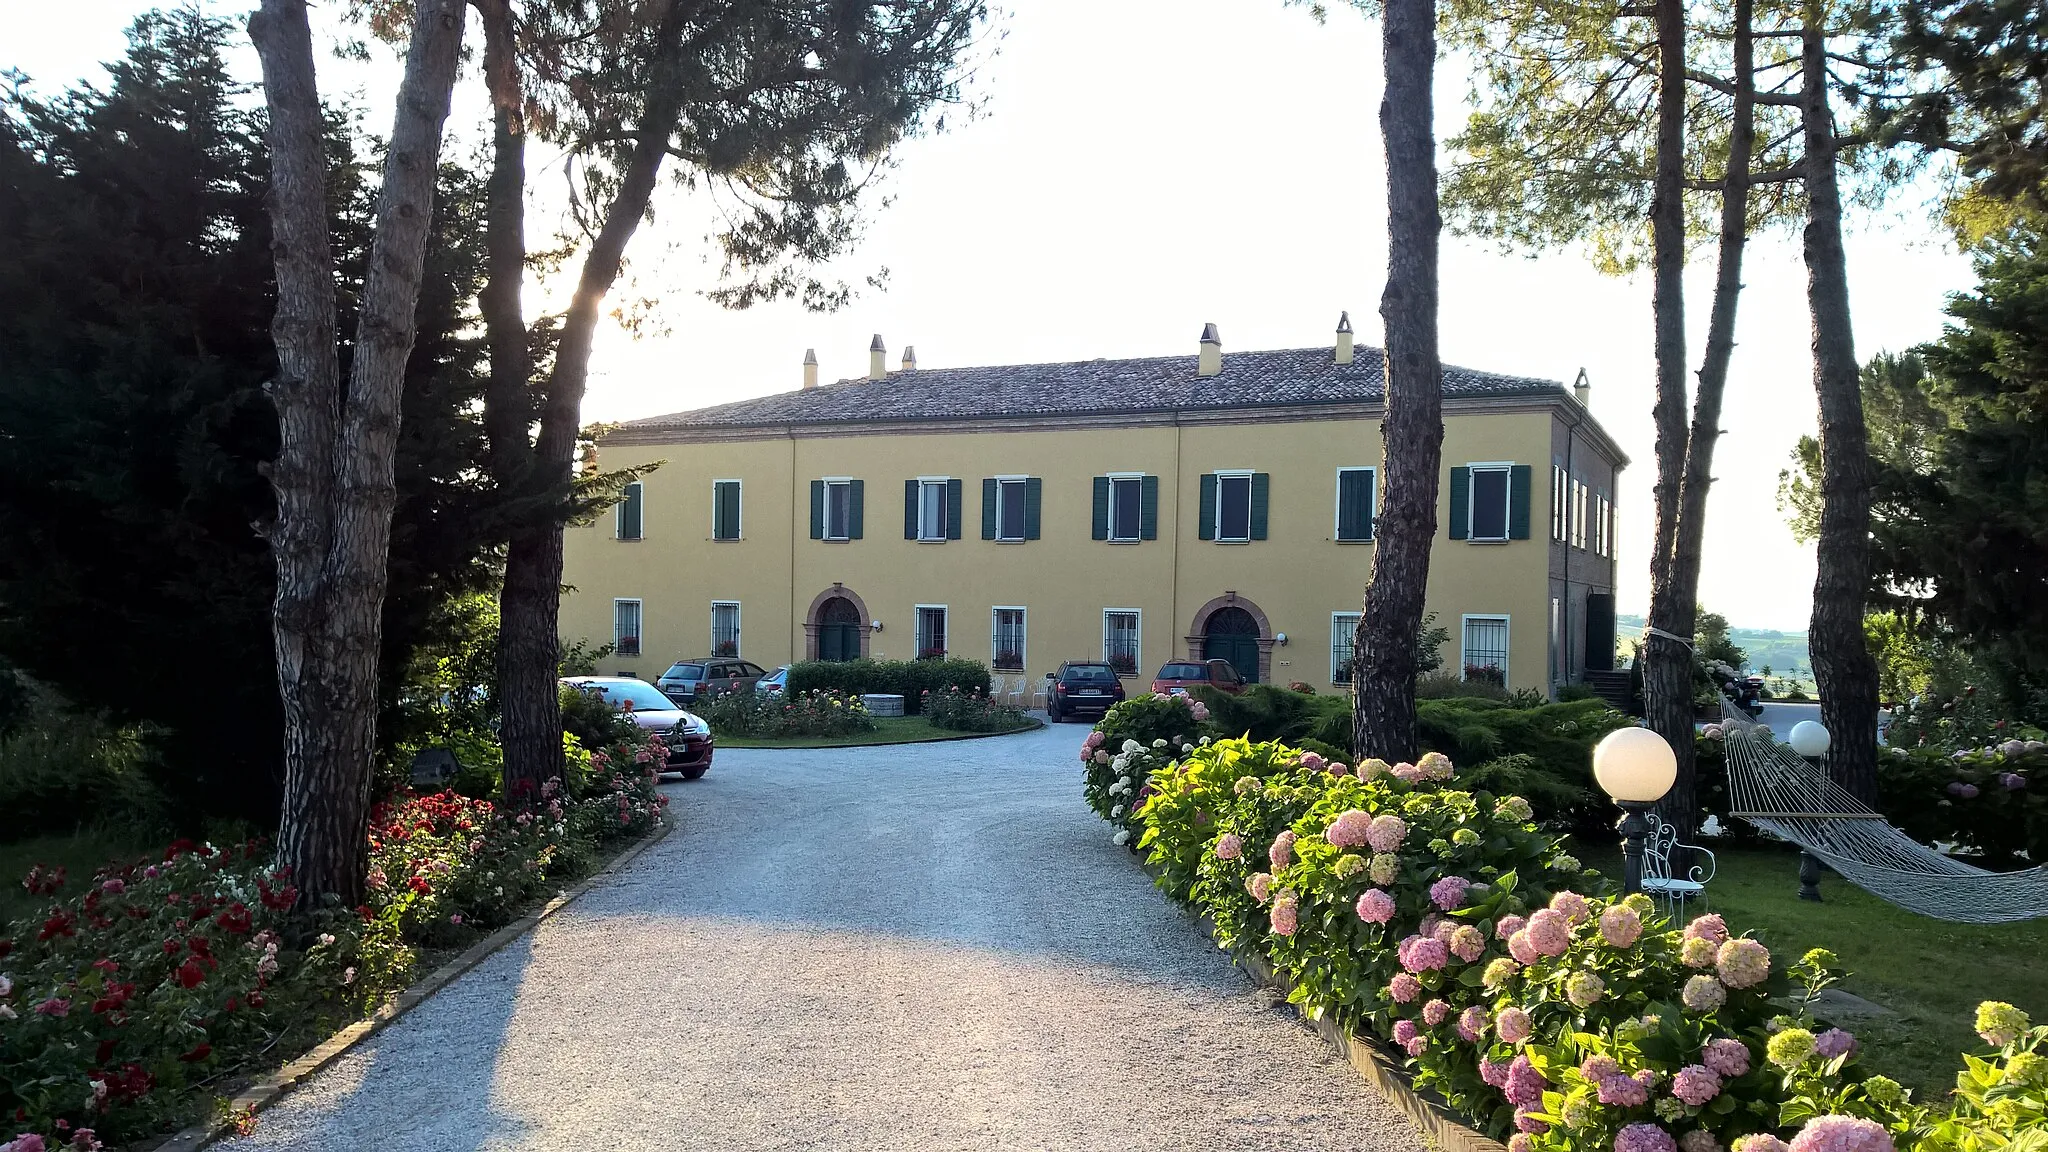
[
  {"x": 121, "y": 1008},
  {"x": 970, "y": 711},
  {"x": 910, "y": 679},
  {"x": 765, "y": 714},
  {"x": 1445, "y": 923}
]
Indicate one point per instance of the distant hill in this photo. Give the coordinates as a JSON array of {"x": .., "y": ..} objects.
[{"x": 1784, "y": 653}]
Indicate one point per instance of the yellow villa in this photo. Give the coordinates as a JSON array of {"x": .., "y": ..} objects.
[{"x": 1135, "y": 511}]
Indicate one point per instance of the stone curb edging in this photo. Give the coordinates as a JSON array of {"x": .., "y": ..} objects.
[
  {"x": 266, "y": 1090},
  {"x": 1034, "y": 726}
]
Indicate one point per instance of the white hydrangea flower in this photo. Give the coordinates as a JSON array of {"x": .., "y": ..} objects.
[
  {"x": 1116, "y": 813},
  {"x": 1122, "y": 837}
]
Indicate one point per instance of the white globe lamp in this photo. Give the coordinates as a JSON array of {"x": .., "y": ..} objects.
[
  {"x": 1810, "y": 739},
  {"x": 1636, "y": 767}
]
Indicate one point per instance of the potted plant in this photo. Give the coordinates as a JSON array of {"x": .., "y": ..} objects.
[
  {"x": 1010, "y": 660},
  {"x": 628, "y": 646},
  {"x": 726, "y": 648},
  {"x": 1123, "y": 663}
]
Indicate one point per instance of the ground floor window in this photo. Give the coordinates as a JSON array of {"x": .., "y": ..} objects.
[
  {"x": 1120, "y": 639},
  {"x": 725, "y": 627},
  {"x": 1343, "y": 645},
  {"x": 1486, "y": 648},
  {"x": 1007, "y": 639},
  {"x": 626, "y": 627},
  {"x": 931, "y": 632}
]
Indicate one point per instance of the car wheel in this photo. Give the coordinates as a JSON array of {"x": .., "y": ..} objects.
[
  {"x": 694, "y": 773},
  {"x": 1052, "y": 713}
]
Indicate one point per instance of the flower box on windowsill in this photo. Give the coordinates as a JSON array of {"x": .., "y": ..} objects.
[
  {"x": 1009, "y": 662},
  {"x": 627, "y": 646}
]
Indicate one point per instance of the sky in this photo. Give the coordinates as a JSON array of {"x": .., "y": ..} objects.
[{"x": 1144, "y": 167}]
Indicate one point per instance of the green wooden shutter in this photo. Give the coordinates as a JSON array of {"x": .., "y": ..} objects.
[
  {"x": 1034, "y": 499},
  {"x": 953, "y": 509},
  {"x": 629, "y": 513},
  {"x": 817, "y": 509},
  {"x": 1519, "y": 481},
  {"x": 1101, "y": 530},
  {"x": 988, "y": 508},
  {"x": 853, "y": 513},
  {"x": 1461, "y": 503},
  {"x": 1260, "y": 483},
  {"x": 1148, "y": 501},
  {"x": 1367, "y": 502},
  {"x": 1206, "y": 530},
  {"x": 910, "y": 509}
]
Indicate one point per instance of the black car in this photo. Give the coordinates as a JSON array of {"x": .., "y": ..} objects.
[
  {"x": 1079, "y": 688},
  {"x": 690, "y": 681}
]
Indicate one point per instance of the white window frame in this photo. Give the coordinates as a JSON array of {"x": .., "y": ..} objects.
[
  {"x": 1560, "y": 505},
  {"x": 1603, "y": 526},
  {"x": 736, "y": 625},
  {"x": 639, "y": 622},
  {"x": 830, "y": 482},
  {"x": 619, "y": 515},
  {"x": 1023, "y": 636},
  {"x": 917, "y": 627},
  {"x": 1353, "y": 617},
  {"x": 1003, "y": 534},
  {"x": 739, "y": 529},
  {"x": 1137, "y": 638},
  {"x": 1582, "y": 494},
  {"x": 1507, "y": 508},
  {"x": 1137, "y": 530},
  {"x": 925, "y": 485},
  {"x": 1216, "y": 527},
  {"x": 1507, "y": 624},
  {"x": 1337, "y": 505}
]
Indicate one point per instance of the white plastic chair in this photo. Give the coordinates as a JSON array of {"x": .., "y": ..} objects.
[
  {"x": 1672, "y": 892},
  {"x": 1039, "y": 699}
]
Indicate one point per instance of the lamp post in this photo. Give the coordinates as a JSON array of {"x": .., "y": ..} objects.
[
  {"x": 1636, "y": 767},
  {"x": 1810, "y": 739}
]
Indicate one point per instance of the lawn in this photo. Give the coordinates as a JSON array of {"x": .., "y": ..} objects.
[
  {"x": 1930, "y": 972},
  {"x": 79, "y": 854},
  {"x": 888, "y": 730}
]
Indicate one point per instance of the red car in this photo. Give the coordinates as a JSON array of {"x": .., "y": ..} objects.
[{"x": 1175, "y": 679}]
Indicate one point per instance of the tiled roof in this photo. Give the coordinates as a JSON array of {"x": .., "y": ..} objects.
[{"x": 1282, "y": 377}]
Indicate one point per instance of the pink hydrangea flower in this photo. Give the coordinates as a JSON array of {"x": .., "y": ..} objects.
[
  {"x": 1573, "y": 906},
  {"x": 1313, "y": 761},
  {"x": 1644, "y": 1138},
  {"x": 1386, "y": 833},
  {"x": 1339, "y": 768},
  {"x": 1526, "y": 1121},
  {"x": 1472, "y": 1024},
  {"x": 1842, "y": 1134},
  {"x": 1284, "y": 912},
  {"x": 1417, "y": 1046},
  {"x": 1424, "y": 954},
  {"x": 1507, "y": 926},
  {"x": 1622, "y": 1091},
  {"x": 1594, "y": 1069},
  {"x": 1513, "y": 1025},
  {"x": 1375, "y": 907},
  {"x": 1758, "y": 1142},
  {"x": 1709, "y": 927},
  {"x": 1494, "y": 1072},
  {"x": 1834, "y": 1042},
  {"x": 1405, "y": 772},
  {"x": 1094, "y": 740},
  {"x": 1620, "y": 925},
  {"x": 1348, "y": 830},
  {"x": 1436, "y": 1012},
  {"x": 1698, "y": 1140},
  {"x": 1550, "y": 931},
  {"x": 1404, "y": 1031},
  {"x": 1696, "y": 1084},
  {"x": 1525, "y": 1085},
  {"x": 1468, "y": 943},
  {"x": 1697, "y": 952},
  {"x": 1435, "y": 766},
  {"x": 1403, "y": 988},
  {"x": 1703, "y": 993},
  {"x": 1282, "y": 850},
  {"x": 1199, "y": 710},
  {"x": 1743, "y": 963},
  {"x": 1521, "y": 1142},
  {"x": 1448, "y": 893},
  {"x": 1522, "y": 948},
  {"x": 1727, "y": 1056},
  {"x": 1260, "y": 885},
  {"x": 1229, "y": 846}
]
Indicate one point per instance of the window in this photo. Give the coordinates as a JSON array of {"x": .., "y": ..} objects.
[
  {"x": 836, "y": 509},
  {"x": 630, "y": 512},
  {"x": 1489, "y": 503},
  {"x": 1127, "y": 506},
  {"x": 626, "y": 627},
  {"x": 1579, "y": 496},
  {"x": 1343, "y": 645},
  {"x": 931, "y": 632},
  {"x": 1603, "y": 526},
  {"x": 1354, "y": 504},
  {"x": 1120, "y": 636},
  {"x": 725, "y": 627},
  {"x": 1557, "y": 653},
  {"x": 1233, "y": 508},
  {"x": 1010, "y": 509},
  {"x": 1006, "y": 642},
  {"x": 725, "y": 509},
  {"x": 931, "y": 509},
  {"x": 1558, "y": 488},
  {"x": 1485, "y": 655}
]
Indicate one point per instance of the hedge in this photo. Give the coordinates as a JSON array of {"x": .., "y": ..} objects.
[{"x": 909, "y": 679}]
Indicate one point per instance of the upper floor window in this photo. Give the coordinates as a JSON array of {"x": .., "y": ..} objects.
[
  {"x": 1234, "y": 506},
  {"x": 1010, "y": 507},
  {"x": 1603, "y": 526},
  {"x": 1354, "y": 503},
  {"x": 1490, "y": 502},
  {"x": 1560, "y": 482},
  {"x": 630, "y": 512},
  {"x": 836, "y": 509},
  {"x": 725, "y": 509},
  {"x": 931, "y": 508},
  {"x": 1579, "y": 496},
  {"x": 1126, "y": 508}
]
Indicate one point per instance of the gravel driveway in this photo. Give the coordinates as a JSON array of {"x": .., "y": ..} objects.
[{"x": 923, "y": 947}]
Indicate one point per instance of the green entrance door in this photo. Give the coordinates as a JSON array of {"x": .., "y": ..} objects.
[
  {"x": 838, "y": 630},
  {"x": 1233, "y": 635}
]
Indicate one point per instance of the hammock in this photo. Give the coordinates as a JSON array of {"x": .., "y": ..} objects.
[{"x": 1775, "y": 789}]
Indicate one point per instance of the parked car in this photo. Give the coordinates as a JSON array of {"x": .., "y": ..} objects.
[
  {"x": 688, "y": 736},
  {"x": 775, "y": 682},
  {"x": 687, "y": 680},
  {"x": 1082, "y": 687},
  {"x": 1176, "y": 678}
]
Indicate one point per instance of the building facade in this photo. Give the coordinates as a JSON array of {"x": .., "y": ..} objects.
[{"x": 1136, "y": 511}]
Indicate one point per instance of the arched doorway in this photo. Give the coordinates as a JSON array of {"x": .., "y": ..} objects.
[
  {"x": 839, "y": 630},
  {"x": 1232, "y": 634}
]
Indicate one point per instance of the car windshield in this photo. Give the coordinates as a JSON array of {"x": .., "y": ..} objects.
[
  {"x": 1184, "y": 672},
  {"x": 1090, "y": 673},
  {"x": 642, "y": 696},
  {"x": 685, "y": 672}
]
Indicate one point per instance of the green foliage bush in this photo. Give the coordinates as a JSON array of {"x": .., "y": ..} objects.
[
  {"x": 62, "y": 770},
  {"x": 910, "y": 679},
  {"x": 777, "y": 714},
  {"x": 586, "y": 716},
  {"x": 958, "y": 711},
  {"x": 1152, "y": 717},
  {"x": 1269, "y": 712},
  {"x": 1552, "y": 744}
]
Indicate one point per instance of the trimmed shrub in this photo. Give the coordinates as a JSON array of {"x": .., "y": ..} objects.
[
  {"x": 759, "y": 714},
  {"x": 1269, "y": 712},
  {"x": 1153, "y": 717},
  {"x": 910, "y": 679}
]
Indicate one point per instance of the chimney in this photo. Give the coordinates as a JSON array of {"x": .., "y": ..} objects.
[
  {"x": 878, "y": 359},
  {"x": 909, "y": 358},
  {"x": 1211, "y": 361},
  {"x": 1344, "y": 338},
  {"x": 810, "y": 367},
  {"x": 1582, "y": 391}
]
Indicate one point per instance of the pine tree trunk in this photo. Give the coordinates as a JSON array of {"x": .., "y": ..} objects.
[
  {"x": 1412, "y": 431},
  {"x": 529, "y": 637},
  {"x": 1842, "y": 665},
  {"x": 1667, "y": 663},
  {"x": 334, "y": 472}
]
